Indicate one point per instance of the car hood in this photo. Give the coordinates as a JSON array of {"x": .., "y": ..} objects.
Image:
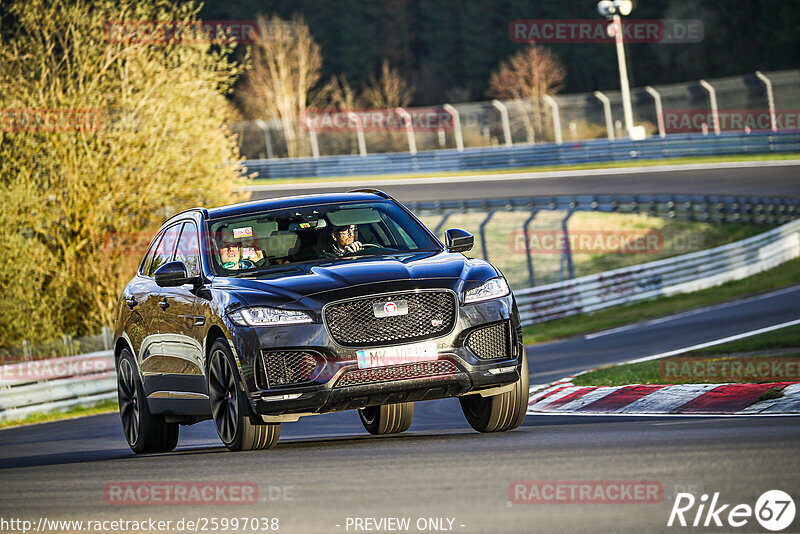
[{"x": 300, "y": 281}]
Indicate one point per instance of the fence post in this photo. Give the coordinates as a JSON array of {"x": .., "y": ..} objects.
[
  {"x": 362, "y": 143},
  {"x": 67, "y": 339},
  {"x": 525, "y": 226},
  {"x": 442, "y": 223},
  {"x": 26, "y": 349},
  {"x": 312, "y": 136},
  {"x": 550, "y": 101},
  {"x": 659, "y": 110},
  {"x": 530, "y": 134},
  {"x": 267, "y": 137},
  {"x": 504, "y": 119},
  {"x": 566, "y": 252},
  {"x": 412, "y": 142},
  {"x": 712, "y": 96},
  {"x": 770, "y": 99},
  {"x": 483, "y": 234},
  {"x": 107, "y": 338},
  {"x": 456, "y": 126},
  {"x": 607, "y": 113}
]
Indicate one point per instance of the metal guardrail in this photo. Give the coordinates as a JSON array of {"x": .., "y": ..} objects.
[
  {"x": 693, "y": 208},
  {"x": 679, "y": 274},
  {"x": 592, "y": 151},
  {"x": 41, "y": 386},
  {"x": 56, "y": 384}
]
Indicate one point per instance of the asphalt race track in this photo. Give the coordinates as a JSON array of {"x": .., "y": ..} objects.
[
  {"x": 776, "y": 178},
  {"x": 326, "y": 469}
]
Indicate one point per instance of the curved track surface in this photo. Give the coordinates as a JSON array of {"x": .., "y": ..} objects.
[
  {"x": 775, "y": 178},
  {"x": 326, "y": 469}
]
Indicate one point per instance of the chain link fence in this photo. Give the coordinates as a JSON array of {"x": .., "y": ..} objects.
[
  {"x": 686, "y": 108},
  {"x": 66, "y": 346}
]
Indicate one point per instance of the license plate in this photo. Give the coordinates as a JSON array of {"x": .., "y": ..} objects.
[{"x": 417, "y": 352}]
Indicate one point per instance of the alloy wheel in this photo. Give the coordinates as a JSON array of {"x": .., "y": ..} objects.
[
  {"x": 128, "y": 401},
  {"x": 223, "y": 393}
]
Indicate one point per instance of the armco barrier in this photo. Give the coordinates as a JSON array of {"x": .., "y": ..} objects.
[
  {"x": 679, "y": 274},
  {"x": 56, "y": 384},
  {"x": 592, "y": 151},
  {"x": 42, "y": 386}
]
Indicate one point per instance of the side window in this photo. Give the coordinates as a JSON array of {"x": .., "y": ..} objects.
[
  {"x": 189, "y": 249},
  {"x": 148, "y": 257},
  {"x": 165, "y": 248}
]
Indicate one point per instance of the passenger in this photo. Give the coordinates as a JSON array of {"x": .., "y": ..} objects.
[
  {"x": 343, "y": 241},
  {"x": 232, "y": 255}
]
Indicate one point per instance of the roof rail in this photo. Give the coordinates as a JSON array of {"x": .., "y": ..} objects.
[{"x": 373, "y": 191}]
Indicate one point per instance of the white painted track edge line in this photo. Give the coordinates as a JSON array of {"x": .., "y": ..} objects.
[
  {"x": 689, "y": 313},
  {"x": 714, "y": 342}
]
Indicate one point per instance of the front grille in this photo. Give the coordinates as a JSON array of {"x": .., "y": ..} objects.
[
  {"x": 352, "y": 323},
  {"x": 490, "y": 342},
  {"x": 284, "y": 367},
  {"x": 404, "y": 371}
]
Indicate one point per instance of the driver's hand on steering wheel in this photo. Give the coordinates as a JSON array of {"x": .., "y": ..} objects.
[{"x": 355, "y": 246}]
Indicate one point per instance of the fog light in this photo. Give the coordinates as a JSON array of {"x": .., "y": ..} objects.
[
  {"x": 500, "y": 370},
  {"x": 288, "y": 396}
]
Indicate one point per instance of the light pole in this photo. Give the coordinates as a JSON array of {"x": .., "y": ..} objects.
[{"x": 614, "y": 10}]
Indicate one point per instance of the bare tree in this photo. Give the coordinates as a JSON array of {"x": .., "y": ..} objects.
[
  {"x": 286, "y": 65},
  {"x": 337, "y": 94},
  {"x": 387, "y": 91},
  {"x": 529, "y": 74}
]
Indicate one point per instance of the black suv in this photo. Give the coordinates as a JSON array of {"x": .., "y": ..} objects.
[{"x": 260, "y": 313}]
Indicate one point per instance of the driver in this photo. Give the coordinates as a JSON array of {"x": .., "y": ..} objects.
[{"x": 343, "y": 241}]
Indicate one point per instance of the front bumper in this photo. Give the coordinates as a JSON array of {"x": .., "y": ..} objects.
[{"x": 457, "y": 371}]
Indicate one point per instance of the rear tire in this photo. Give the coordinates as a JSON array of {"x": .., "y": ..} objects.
[
  {"x": 387, "y": 418},
  {"x": 229, "y": 408},
  {"x": 144, "y": 431},
  {"x": 502, "y": 412}
]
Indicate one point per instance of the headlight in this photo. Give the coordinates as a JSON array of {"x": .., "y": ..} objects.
[
  {"x": 268, "y": 317},
  {"x": 492, "y": 289}
]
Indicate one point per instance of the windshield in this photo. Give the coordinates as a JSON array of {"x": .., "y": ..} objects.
[{"x": 321, "y": 233}]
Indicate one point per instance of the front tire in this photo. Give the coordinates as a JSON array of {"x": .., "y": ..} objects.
[
  {"x": 229, "y": 405},
  {"x": 387, "y": 418},
  {"x": 502, "y": 412},
  {"x": 144, "y": 431}
]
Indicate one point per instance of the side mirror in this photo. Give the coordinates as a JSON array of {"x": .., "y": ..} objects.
[
  {"x": 458, "y": 240},
  {"x": 173, "y": 274}
]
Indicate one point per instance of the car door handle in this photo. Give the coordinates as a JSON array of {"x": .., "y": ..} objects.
[
  {"x": 163, "y": 304},
  {"x": 131, "y": 303}
]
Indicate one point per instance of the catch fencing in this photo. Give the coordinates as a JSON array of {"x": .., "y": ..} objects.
[
  {"x": 568, "y": 118},
  {"x": 679, "y": 274}
]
